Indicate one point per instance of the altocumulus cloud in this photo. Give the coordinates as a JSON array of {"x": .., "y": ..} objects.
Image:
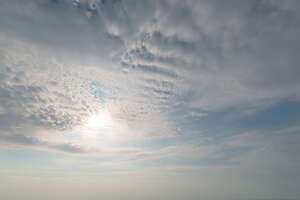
[
  {"x": 197, "y": 96},
  {"x": 64, "y": 61}
]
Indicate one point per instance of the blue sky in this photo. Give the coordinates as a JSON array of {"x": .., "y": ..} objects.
[{"x": 162, "y": 99}]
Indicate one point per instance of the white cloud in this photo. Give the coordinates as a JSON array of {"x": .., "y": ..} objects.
[{"x": 139, "y": 60}]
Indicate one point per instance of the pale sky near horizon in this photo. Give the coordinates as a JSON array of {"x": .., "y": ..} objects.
[{"x": 149, "y": 99}]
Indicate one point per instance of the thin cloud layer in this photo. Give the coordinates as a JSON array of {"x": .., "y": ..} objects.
[
  {"x": 173, "y": 83},
  {"x": 63, "y": 61}
]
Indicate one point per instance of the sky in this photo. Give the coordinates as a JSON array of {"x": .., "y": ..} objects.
[{"x": 143, "y": 100}]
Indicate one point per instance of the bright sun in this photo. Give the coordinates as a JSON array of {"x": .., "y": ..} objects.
[{"x": 101, "y": 120}]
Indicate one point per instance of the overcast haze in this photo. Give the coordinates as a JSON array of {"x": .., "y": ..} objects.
[{"x": 149, "y": 99}]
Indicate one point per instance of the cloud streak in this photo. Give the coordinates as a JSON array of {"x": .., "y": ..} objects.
[
  {"x": 143, "y": 63},
  {"x": 176, "y": 78}
]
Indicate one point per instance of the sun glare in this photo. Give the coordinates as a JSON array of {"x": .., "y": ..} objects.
[{"x": 102, "y": 120}]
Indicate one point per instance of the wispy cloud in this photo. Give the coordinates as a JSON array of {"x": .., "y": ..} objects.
[{"x": 175, "y": 80}]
